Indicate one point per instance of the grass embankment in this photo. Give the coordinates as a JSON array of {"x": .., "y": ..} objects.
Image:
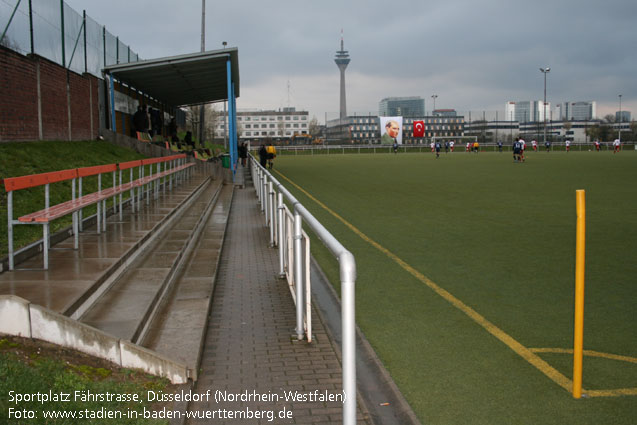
[
  {"x": 20, "y": 159},
  {"x": 498, "y": 236},
  {"x": 35, "y": 378}
]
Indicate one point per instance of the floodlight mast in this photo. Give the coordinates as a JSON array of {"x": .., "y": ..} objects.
[
  {"x": 545, "y": 71},
  {"x": 620, "y": 118}
]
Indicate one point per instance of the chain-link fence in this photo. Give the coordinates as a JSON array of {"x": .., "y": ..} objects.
[{"x": 53, "y": 30}]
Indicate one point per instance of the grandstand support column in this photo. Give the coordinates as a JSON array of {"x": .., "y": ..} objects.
[{"x": 232, "y": 118}]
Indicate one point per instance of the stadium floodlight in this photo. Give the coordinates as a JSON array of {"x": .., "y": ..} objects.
[
  {"x": 545, "y": 71},
  {"x": 620, "y": 118}
]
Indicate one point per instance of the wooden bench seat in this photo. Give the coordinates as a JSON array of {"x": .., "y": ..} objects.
[{"x": 75, "y": 205}]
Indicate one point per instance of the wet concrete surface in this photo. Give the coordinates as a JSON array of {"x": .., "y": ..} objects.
[{"x": 127, "y": 305}]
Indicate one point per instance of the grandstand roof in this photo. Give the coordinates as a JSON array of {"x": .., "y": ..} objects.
[{"x": 182, "y": 80}]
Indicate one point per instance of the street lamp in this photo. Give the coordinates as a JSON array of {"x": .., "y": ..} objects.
[
  {"x": 545, "y": 71},
  {"x": 434, "y": 96},
  {"x": 620, "y": 118}
]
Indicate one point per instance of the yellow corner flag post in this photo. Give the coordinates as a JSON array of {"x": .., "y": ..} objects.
[{"x": 580, "y": 260}]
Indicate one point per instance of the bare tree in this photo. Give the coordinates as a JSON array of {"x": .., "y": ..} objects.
[
  {"x": 213, "y": 117},
  {"x": 314, "y": 128}
]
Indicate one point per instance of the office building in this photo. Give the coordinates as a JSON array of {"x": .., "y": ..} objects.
[
  {"x": 527, "y": 111},
  {"x": 366, "y": 129},
  {"x": 623, "y": 116},
  {"x": 576, "y": 111},
  {"x": 402, "y": 107}
]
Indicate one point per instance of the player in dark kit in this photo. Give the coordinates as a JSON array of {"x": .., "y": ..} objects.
[{"x": 517, "y": 150}]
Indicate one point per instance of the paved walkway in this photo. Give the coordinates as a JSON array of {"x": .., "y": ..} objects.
[{"x": 250, "y": 356}]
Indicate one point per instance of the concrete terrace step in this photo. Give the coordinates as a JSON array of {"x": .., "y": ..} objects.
[
  {"x": 126, "y": 307},
  {"x": 179, "y": 328}
]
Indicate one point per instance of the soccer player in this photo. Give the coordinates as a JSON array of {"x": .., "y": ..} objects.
[
  {"x": 451, "y": 145},
  {"x": 597, "y": 145},
  {"x": 616, "y": 145},
  {"x": 567, "y": 143},
  {"x": 516, "y": 150},
  {"x": 534, "y": 144},
  {"x": 500, "y": 146},
  {"x": 468, "y": 149},
  {"x": 437, "y": 149},
  {"x": 522, "y": 147}
]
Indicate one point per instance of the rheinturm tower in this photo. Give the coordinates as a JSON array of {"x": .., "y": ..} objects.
[{"x": 342, "y": 60}]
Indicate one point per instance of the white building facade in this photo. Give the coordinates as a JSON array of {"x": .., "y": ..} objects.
[{"x": 283, "y": 124}]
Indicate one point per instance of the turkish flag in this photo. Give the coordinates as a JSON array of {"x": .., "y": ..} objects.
[{"x": 419, "y": 129}]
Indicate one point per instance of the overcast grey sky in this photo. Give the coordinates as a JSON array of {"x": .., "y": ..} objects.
[{"x": 475, "y": 55}]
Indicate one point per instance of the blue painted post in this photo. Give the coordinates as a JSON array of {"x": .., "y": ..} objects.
[
  {"x": 232, "y": 142},
  {"x": 235, "y": 138}
]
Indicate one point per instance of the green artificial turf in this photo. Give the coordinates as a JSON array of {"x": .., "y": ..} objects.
[{"x": 500, "y": 237}]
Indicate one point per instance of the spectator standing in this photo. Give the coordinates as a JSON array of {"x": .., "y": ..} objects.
[
  {"x": 263, "y": 156},
  {"x": 243, "y": 153},
  {"x": 140, "y": 119},
  {"x": 188, "y": 139}
]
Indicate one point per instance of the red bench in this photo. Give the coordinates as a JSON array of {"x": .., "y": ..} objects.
[{"x": 77, "y": 203}]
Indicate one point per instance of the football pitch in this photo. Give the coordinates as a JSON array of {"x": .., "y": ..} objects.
[{"x": 466, "y": 276}]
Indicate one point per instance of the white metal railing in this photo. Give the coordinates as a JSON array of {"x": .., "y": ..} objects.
[
  {"x": 286, "y": 233},
  {"x": 286, "y": 247}
]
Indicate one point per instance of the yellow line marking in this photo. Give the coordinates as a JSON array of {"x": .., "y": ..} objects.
[
  {"x": 611, "y": 393},
  {"x": 509, "y": 341},
  {"x": 589, "y": 353}
]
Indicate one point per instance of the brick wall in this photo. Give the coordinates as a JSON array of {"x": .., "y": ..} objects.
[
  {"x": 19, "y": 119},
  {"x": 18, "y": 110}
]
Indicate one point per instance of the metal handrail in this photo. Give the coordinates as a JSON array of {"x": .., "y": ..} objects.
[{"x": 267, "y": 186}]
